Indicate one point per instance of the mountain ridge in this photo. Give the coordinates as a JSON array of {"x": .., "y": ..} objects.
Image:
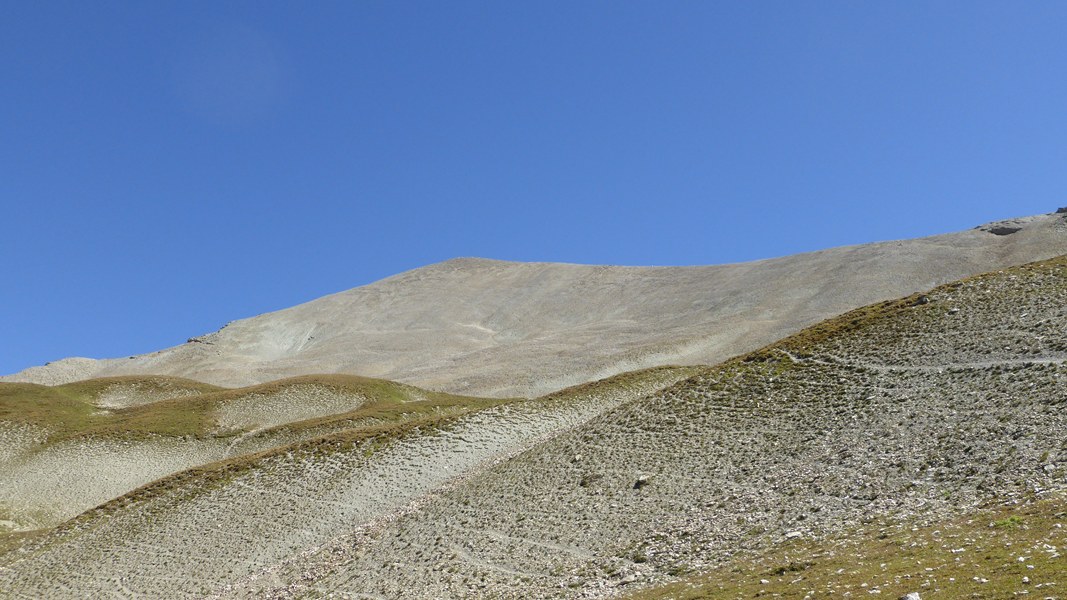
[{"x": 470, "y": 325}]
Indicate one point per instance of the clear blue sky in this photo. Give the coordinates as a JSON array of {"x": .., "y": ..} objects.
[{"x": 166, "y": 167}]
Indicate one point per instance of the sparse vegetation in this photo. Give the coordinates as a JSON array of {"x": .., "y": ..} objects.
[
  {"x": 72, "y": 410},
  {"x": 914, "y": 445},
  {"x": 963, "y": 557},
  {"x": 177, "y": 433}
]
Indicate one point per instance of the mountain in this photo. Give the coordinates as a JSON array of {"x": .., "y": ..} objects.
[
  {"x": 930, "y": 427},
  {"x": 503, "y": 329}
]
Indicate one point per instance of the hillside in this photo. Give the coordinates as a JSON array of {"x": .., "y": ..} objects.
[
  {"x": 1005, "y": 550},
  {"x": 229, "y": 519},
  {"x": 914, "y": 409},
  {"x": 503, "y": 329},
  {"x": 66, "y": 449},
  {"x": 901, "y": 414}
]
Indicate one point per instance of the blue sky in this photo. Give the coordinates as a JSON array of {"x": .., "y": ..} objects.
[{"x": 166, "y": 167}]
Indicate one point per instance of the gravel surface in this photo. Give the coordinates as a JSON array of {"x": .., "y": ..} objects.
[
  {"x": 199, "y": 535},
  {"x": 915, "y": 410},
  {"x": 942, "y": 404}
]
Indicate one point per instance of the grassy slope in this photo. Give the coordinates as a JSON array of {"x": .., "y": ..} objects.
[
  {"x": 972, "y": 556},
  {"x": 70, "y": 411},
  {"x": 188, "y": 425}
]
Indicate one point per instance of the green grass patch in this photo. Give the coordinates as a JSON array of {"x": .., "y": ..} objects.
[
  {"x": 71, "y": 410},
  {"x": 983, "y": 555}
]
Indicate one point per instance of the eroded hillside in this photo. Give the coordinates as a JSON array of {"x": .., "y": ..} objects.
[
  {"x": 911, "y": 410},
  {"x": 206, "y": 529},
  {"x": 66, "y": 449},
  {"x": 906, "y": 411}
]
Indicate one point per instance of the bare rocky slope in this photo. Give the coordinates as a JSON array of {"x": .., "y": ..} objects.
[
  {"x": 918, "y": 409},
  {"x": 914, "y": 410},
  {"x": 206, "y": 529},
  {"x": 494, "y": 328}
]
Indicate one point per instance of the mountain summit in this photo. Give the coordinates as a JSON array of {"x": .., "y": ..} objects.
[{"x": 497, "y": 328}]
